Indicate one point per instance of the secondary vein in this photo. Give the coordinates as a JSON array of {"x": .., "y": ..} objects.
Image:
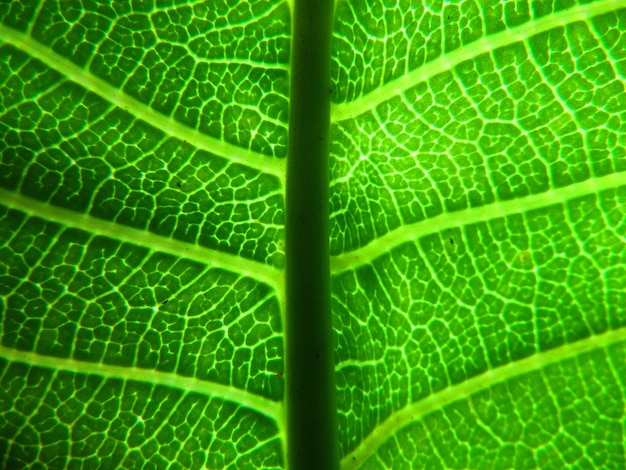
[
  {"x": 69, "y": 218},
  {"x": 255, "y": 402},
  {"x": 448, "y": 220},
  {"x": 446, "y": 62},
  {"x": 140, "y": 110},
  {"x": 416, "y": 411}
]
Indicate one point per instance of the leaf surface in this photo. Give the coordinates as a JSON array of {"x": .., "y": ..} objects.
[
  {"x": 478, "y": 233},
  {"x": 478, "y": 229}
]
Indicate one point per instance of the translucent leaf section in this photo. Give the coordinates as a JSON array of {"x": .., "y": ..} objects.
[
  {"x": 216, "y": 68},
  {"x": 478, "y": 204},
  {"x": 84, "y": 420},
  {"x": 566, "y": 414},
  {"x": 68, "y": 146},
  {"x": 73, "y": 295},
  {"x": 142, "y": 153},
  {"x": 432, "y": 314},
  {"x": 377, "y": 42},
  {"x": 499, "y": 125}
]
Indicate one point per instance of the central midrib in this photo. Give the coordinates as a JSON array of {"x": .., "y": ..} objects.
[{"x": 311, "y": 413}]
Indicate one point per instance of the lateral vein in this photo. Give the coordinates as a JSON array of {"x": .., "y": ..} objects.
[
  {"x": 448, "y": 220},
  {"x": 117, "y": 97},
  {"x": 93, "y": 225},
  {"x": 416, "y": 411},
  {"x": 445, "y": 62},
  {"x": 267, "y": 407}
]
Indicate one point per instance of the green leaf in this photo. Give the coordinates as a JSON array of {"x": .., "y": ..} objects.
[{"x": 153, "y": 283}]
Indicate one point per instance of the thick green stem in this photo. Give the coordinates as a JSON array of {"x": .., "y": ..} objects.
[{"x": 311, "y": 410}]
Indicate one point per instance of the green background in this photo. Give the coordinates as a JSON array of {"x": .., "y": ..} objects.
[{"x": 477, "y": 219}]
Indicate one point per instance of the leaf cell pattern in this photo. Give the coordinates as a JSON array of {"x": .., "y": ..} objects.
[
  {"x": 478, "y": 233},
  {"x": 141, "y": 233}
]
